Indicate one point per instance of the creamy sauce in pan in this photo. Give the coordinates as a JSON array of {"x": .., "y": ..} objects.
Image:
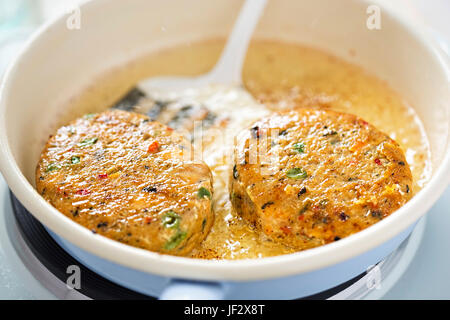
[{"x": 278, "y": 76}]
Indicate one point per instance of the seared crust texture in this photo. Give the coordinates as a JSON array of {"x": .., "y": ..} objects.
[
  {"x": 130, "y": 179},
  {"x": 309, "y": 177}
]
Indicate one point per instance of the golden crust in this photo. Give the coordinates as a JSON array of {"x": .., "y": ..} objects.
[
  {"x": 318, "y": 176},
  {"x": 130, "y": 179}
]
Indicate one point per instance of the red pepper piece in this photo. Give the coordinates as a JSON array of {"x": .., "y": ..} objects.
[
  {"x": 286, "y": 229},
  {"x": 148, "y": 220},
  {"x": 154, "y": 147},
  {"x": 83, "y": 192}
]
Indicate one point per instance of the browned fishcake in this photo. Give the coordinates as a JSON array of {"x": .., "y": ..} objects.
[
  {"x": 127, "y": 178},
  {"x": 319, "y": 176}
]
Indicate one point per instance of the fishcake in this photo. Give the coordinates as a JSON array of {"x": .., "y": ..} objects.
[
  {"x": 130, "y": 179},
  {"x": 308, "y": 177}
]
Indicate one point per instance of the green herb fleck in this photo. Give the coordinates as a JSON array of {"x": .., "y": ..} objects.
[
  {"x": 52, "y": 167},
  {"x": 304, "y": 209},
  {"x": 203, "y": 224},
  {"x": 88, "y": 142},
  {"x": 296, "y": 173},
  {"x": 171, "y": 220},
  {"x": 71, "y": 130},
  {"x": 335, "y": 141},
  {"x": 323, "y": 203},
  {"x": 176, "y": 240},
  {"x": 89, "y": 115},
  {"x": 75, "y": 160},
  {"x": 203, "y": 192},
  {"x": 299, "y": 147}
]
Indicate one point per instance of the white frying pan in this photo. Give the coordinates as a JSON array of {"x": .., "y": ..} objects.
[{"x": 57, "y": 62}]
